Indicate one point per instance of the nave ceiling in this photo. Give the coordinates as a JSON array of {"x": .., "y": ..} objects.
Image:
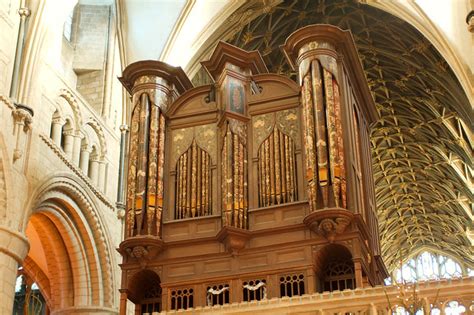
[{"x": 421, "y": 145}]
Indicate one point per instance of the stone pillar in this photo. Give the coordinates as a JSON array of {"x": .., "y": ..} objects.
[
  {"x": 94, "y": 169},
  {"x": 84, "y": 161},
  {"x": 56, "y": 130},
  {"x": 231, "y": 69},
  {"x": 69, "y": 143},
  {"x": 121, "y": 175},
  {"x": 24, "y": 13},
  {"x": 13, "y": 249},
  {"x": 101, "y": 181},
  {"x": 153, "y": 85},
  {"x": 76, "y": 150}
]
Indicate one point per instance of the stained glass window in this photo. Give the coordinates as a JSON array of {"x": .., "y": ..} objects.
[{"x": 428, "y": 266}]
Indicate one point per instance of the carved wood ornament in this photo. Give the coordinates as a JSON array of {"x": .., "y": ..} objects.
[{"x": 226, "y": 186}]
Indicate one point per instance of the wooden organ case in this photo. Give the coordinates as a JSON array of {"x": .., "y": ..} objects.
[{"x": 253, "y": 187}]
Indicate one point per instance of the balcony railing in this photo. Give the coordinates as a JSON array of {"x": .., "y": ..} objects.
[{"x": 454, "y": 296}]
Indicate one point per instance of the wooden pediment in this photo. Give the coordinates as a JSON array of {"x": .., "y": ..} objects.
[
  {"x": 273, "y": 91},
  {"x": 194, "y": 106}
]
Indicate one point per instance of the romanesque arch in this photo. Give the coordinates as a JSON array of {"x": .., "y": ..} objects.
[{"x": 69, "y": 245}]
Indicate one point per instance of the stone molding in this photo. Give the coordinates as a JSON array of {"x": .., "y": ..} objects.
[
  {"x": 76, "y": 170},
  {"x": 13, "y": 244},
  {"x": 60, "y": 184}
]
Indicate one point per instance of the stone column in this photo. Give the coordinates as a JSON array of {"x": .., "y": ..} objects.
[
  {"x": 84, "y": 161},
  {"x": 76, "y": 150},
  {"x": 69, "y": 143},
  {"x": 24, "y": 13},
  {"x": 13, "y": 249},
  {"x": 121, "y": 175},
  {"x": 56, "y": 130},
  {"x": 153, "y": 85},
  {"x": 94, "y": 169},
  {"x": 101, "y": 180}
]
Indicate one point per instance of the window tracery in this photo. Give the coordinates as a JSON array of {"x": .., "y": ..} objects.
[
  {"x": 218, "y": 295},
  {"x": 428, "y": 266}
]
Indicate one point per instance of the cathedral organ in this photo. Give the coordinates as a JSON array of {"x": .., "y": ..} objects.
[{"x": 252, "y": 187}]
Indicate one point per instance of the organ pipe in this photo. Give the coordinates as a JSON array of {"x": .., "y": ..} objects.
[
  {"x": 145, "y": 175},
  {"x": 276, "y": 169},
  {"x": 193, "y": 183},
  {"x": 234, "y": 180},
  {"x": 325, "y": 152}
]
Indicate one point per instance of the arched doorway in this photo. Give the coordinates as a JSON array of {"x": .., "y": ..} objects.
[
  {"x": 145, "y": 292},
  {"x": 335, "y": 269}
]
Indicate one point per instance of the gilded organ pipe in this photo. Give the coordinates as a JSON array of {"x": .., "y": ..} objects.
[
  {"x": 192, "y": 183},
  {"x": 309, "y": 142},
  {"x": 234, "y": 180},
  {"x": 325, "y": 152},
  {"x": 276, "y": 169},
  {"x": 145, "y": 176},
  {"x": 340, "y": 146}
]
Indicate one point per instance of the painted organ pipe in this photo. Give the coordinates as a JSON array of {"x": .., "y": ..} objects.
[
  {"x": 193, "y": 191},
  {"x": 276, "y": 169},
  {"x": 234, "y": 180},
  {"x": 325, "y": 173},
  {"x": 145, "y": 173}
]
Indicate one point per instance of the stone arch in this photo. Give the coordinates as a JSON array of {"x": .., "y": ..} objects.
[
  {"x": 100, "y": 134},
  {"x": 67, "y": 218},
  {"x": 71, "y": 100}
]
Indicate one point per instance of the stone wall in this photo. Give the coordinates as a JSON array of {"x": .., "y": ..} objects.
[{"x": 44, "y": 182}]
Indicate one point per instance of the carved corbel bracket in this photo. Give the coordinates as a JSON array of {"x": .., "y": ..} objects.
[
  {"x": 234, "y": 239},
  {"x": 329, "y": 222},
  {"x": 141, "y": 249},
  {"x": 22, "y": 119}
]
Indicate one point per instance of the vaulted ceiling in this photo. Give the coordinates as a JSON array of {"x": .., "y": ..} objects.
[{"x": 422, "y": 145}]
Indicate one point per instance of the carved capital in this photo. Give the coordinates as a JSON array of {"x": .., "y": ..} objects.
[
  {"x": 123, "y": 128},
  {"x": 120, "y": 210},
  {"x": 69, "y": 132},
  {"x": 329, "y": 222},
  {"x": 24, "y": 12},
  {"x": 23, "y": 115},
  {"x": 86, "y": 148},
  {"x": 470, "y": 21},
  {"x": 58, "y": 121}
]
